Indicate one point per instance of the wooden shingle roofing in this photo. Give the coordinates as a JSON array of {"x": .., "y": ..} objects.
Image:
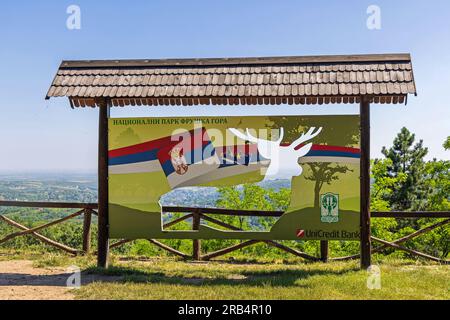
[{"x": 385, "y": 78}]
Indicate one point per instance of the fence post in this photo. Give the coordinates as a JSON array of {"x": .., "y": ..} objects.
[
  {"x": 196, "y": 244},
  {"x": 324, "y": 250},
  {"x": 103, "y": 214},
  {"x": 87, "y": 231},
  {"x": 365, "y": 183}
]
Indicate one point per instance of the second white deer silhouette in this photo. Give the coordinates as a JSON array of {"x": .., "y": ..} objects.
[{"x": 283, "y": 159}]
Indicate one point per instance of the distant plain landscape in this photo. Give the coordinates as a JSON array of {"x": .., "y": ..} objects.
[{"x": 82, "y": 187}]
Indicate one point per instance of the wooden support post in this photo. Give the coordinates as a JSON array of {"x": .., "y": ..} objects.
[
  {"x": 324, "y": 250},
  {"x": 196, "y": 244},
  {"x": 365, "y": 183},
  {"x": 87, "y": 231},
  {"x": 103, "y": 224}
]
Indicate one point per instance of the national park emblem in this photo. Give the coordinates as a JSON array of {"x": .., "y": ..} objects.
[{"x": 329, "y": 207}]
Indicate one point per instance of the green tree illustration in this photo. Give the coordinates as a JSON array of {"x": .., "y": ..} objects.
[
  {"x": 126, "y": 136},
  {"x": 341, "y": 132}
]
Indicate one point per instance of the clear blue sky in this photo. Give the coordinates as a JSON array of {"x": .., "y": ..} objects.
[{"x": 40, "y": 135}]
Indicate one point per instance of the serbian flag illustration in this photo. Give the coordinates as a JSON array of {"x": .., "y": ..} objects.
[
  {"x": 137, "y": 158},
  {"x": 188, "y": 158},
  {"x": 182, "y": 157},
  {"x": 238, "y": 159}
]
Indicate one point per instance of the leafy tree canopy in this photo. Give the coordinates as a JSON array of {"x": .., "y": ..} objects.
[
  {"x": 447, "y": 143},
  {"x": 407, "y": 158}
]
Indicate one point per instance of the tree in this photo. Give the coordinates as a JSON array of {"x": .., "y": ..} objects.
[
  {"x": 383, "y": 184},
  {"x": 381, "y": 188},
  {"x": 447, "y": 143},
  {"x": 252, "y": 197},
  {"x": 437, "y": 179},
  {"x": 249, "y": 197},
  {"x": 407, "y": 158},
  {"x": 431, "y": 193}
]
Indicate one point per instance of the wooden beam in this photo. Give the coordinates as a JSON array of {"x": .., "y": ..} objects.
[
  {"x": 413, "y": 252},
  {"x": 365, "y": 183},
  {"x": 414, "y": 214},
  {"x": 176, "y": 221},
  {"x": 324, "y": 250},
  {"x": 156, "y": 243},
  {"x": 220, "y": 223},
  {"x": 224, "y": 251},
  {"x": 414, "y": 234},
  {"x": 290, "y": 250},
  {"x": 398, "y": 241},
  {"x": 268, "y": 242},
  {"x": 87, "y": 218},
  {"x": 119, "y": 243},
  {"x": 169, "y": 249},
  {"x": 258, "y": 100},
  {"x": 384, "y": 58},
  {"x": 40, "y": 237},
  {"x": 231, "y": 212},
  {"x": 31, "y": 230},
  {"x": 196, "y": 243},
  {"x": 103, "y": 214}
]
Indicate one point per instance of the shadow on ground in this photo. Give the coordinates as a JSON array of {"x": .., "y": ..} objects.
[
  {"x": 124, "y": 274},
  {"x": 248, "y": 278},
  {"x": 51, "y": 280}
]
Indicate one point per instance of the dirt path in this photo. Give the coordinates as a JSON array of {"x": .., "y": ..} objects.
[{"x": 19, "y": 280}]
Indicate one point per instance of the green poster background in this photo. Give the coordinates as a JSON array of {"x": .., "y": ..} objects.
[{"x": 134, "y": 211}]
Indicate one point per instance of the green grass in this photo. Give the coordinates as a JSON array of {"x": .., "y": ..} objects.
[
  {"x": 165, "y": 278},
  {"x": 162, "y": 279}
]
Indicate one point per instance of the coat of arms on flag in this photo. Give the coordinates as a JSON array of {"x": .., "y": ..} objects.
[
  {"x": 188, "y": 158},
  {"x": 178, "y": 160}
]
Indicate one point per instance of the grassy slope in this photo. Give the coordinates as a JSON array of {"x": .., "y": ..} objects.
[{"x": 166, "y": 278}]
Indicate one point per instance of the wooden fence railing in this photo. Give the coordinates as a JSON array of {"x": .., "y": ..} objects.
[
  {"x": 199, "y": 214},
  {"x": 85, "y": 209}
]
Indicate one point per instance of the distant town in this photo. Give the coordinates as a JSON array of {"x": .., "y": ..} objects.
[{"x": 83, "y": 188}]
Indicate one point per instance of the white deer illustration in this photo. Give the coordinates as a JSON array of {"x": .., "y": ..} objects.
[{"x": 283, "y": 159}]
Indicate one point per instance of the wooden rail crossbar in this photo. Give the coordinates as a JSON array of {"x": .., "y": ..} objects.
[
  {"x": 31, "y": 230},
  {"x": 86, "y": 209},
  {"x": 229, "y": 212},
  {"x": 199, "y": 214},
  {"x": 39, "y": 236},
  {"x": 395, "y": 244},
  {"x": 412, "y": 214}
]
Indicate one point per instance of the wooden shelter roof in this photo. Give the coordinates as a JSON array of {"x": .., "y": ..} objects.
[{"x": 384, "y": 78}]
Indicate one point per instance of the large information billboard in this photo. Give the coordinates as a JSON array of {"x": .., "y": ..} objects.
[{"x": 316, "y": 156}]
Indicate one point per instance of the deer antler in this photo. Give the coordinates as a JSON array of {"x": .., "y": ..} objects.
[
  {"x": 248, "y": 136},
  {"x": 306, "y": 136},
  {"x": 281, "y": 135}
]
